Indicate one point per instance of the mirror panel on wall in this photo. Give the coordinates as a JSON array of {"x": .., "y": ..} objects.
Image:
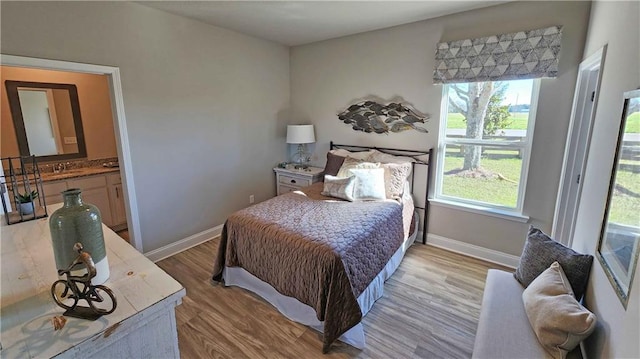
[
  {"x": 47, "y": 119},
  {"x": 620, "y": 234}
]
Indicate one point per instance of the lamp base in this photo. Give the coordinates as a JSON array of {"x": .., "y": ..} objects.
[{"x": 301, "y": 157}]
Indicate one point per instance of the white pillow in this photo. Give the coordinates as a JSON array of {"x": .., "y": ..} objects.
[
  {"x": 369, "y": 184},
  {"x": 339, "y": 187},
  {"x": 350, "y": 162},
  {"x": 559, "y": 321}
]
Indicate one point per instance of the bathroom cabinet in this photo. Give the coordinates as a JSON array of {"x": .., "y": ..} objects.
[
  {"x": 94, "y": 191},
  {"x": 116, "y": 198},
  {"x": 102, "y": 190}
]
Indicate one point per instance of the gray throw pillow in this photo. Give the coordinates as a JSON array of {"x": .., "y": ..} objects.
[
  {"x": 334, "y": 162},
  {"x": 540, "y": 252}
]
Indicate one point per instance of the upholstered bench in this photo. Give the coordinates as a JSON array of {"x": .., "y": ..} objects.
[
  {"x": 535, "y": 312},
  {"x": 504, "y": 330}
]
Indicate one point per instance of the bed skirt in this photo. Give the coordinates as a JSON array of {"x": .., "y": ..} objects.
[{"x": 299, "y": 312}]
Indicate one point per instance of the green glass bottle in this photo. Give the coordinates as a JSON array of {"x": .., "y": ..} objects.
[{"x": 78, "y": 221}]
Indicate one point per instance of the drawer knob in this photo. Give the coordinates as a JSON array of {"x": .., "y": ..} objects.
[{"x": 293, "y": 181}]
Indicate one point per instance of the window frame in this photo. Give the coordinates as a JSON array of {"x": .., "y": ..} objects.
[{"x": 525, "y": 146}]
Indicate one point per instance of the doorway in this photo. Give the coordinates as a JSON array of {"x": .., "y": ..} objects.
[
  {"x": 119, "y": 122},
  {"x": 585, "y": 101}
]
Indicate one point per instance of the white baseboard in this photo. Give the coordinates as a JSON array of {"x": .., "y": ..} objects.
[
  {"x": 471, "y": 250},
  {"x": 435, "y": 240},
  {"x": 183, "y": 244}
]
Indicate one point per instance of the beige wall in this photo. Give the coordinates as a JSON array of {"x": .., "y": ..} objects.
[
  {"x": 95, "y": 108},
  {"x": 614, "y": 24},
  {"x": 205, "y": 107},
  {"x": 328, "y": 76},
  {"x": 206, "y": 110}
]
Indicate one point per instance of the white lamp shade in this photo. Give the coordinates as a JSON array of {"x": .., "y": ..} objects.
[{"x": 300, "y": 134}]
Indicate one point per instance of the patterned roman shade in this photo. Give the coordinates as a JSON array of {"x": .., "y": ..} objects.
[{"x": 518, "y": 55}]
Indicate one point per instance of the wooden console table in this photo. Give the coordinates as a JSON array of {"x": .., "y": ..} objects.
[{"x": 142, "y": 326}]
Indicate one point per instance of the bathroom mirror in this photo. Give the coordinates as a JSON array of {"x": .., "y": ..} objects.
[
  {"x": 46, "y": 118},
  {"x": 620, "y": 234}
]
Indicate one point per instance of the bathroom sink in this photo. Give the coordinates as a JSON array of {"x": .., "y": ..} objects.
[{"x": 72, "y": 171}]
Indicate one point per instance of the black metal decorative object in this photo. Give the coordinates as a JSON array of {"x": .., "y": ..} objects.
[
  {"x": 21, "y": 190},
  {"x": 420, "y": 158},
  {"x": 67, "y": 292},
  {"x": 370, "y": 116}
]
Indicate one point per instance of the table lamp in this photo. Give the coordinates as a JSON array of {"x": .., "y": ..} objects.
[{"x": 301, "y": 135}]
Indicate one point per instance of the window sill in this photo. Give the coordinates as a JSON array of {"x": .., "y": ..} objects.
[{"x": 486, "y": 211}]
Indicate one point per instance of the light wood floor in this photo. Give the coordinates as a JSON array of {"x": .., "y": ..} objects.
[{"x": 430, "y": 309}]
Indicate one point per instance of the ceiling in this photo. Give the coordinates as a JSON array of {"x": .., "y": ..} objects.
[{"x": 301, "y": 22}]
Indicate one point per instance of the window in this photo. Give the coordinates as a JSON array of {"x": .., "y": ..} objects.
[{"x": 485, "y": 140}]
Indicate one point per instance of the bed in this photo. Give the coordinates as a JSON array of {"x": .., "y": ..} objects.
[{"x": 319, "y": 260}]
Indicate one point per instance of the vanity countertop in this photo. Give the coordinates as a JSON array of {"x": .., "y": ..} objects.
[{"x": 76, "y": 172}]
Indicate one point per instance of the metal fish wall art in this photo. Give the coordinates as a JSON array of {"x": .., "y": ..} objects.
[{"x": 370, "y": 116}]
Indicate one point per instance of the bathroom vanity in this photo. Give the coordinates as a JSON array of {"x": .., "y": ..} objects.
[{"x": 100, "y": 186}]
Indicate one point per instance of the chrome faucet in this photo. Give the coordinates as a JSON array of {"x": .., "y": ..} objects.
[{"x": 59, "y": 167}]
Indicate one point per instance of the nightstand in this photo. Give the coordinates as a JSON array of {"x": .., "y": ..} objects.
[{"x": 289, "y": 180}]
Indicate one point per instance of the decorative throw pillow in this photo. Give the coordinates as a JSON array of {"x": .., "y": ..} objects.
[
  {"x": 361, "y": 155},
  {"x": 369, "y": 184},
  {"x": 540, "y": 251},
  {"x": 559, "y": 321},
  {"x": 395, "y": 176},
  {"x": 334, "y": 162},
  {"x": 377, "y": 156},
  {"x": 339, "y": 187},
  {"x": 350, "y": 163}
]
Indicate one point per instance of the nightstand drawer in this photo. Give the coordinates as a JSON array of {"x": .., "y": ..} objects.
[
  {"x": 286, "y": 189},
  {"x": 289, "y": 180},
  {"x": 294, "y": 181}
]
